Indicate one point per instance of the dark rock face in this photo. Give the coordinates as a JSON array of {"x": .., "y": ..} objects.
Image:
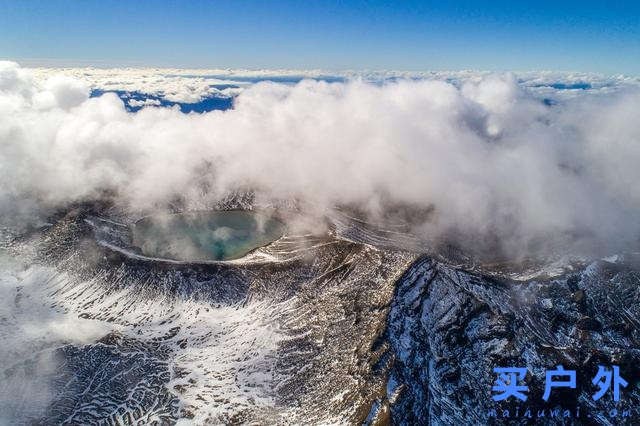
[{"x": 448, "y": 329}]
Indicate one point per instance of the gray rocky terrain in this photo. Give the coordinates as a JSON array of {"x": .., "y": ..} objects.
[{"x": 348, "y": 327}]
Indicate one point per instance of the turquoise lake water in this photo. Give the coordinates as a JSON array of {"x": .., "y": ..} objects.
[{"x": 201, "y": 236}]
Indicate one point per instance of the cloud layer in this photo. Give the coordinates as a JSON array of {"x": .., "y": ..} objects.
[
  {"x": 193, "y": 85},
  {"x": 483, "y": 158}
]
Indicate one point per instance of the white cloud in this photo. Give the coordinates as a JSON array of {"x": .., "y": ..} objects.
[
  {"x": 485, "y": 153},
  {"x": 142, "y": 103},
  {"x": 171, "y": 85},
  {"x": 193, "y": 85}
]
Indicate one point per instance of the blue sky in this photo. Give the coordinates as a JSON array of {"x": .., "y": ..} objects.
[{"x": 334, "y": 35}]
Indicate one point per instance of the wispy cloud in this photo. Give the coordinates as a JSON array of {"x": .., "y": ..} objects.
[{"x": 484, "y": 154}]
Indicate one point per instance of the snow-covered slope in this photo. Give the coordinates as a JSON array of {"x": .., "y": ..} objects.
[{"x": 346, "y": 328}]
